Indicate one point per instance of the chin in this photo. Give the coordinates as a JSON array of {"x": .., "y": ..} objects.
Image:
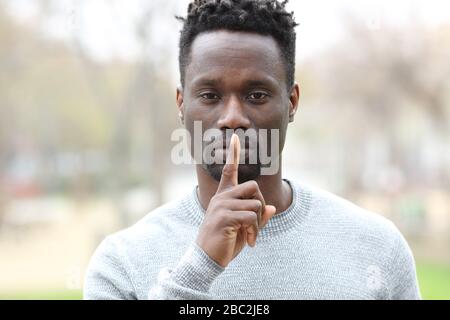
[{"x": 246, "y": 172}]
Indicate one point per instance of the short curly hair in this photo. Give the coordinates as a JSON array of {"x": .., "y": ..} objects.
[{"x": 265, "y": 17}]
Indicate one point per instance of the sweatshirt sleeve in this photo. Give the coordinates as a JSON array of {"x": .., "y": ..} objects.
[
  {"x": 191, "y": 279},
  {"x": 403, "y": 278},
  {"x": 106, "y": 277}
]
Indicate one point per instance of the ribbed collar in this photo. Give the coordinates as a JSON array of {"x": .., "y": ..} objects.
[{"x": 280, "y": 223}]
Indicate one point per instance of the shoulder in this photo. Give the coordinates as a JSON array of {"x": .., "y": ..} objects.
[
  {"x": 346, "y": 215},
  {"x": 135, "y": 247},
  {"x": 353, "y": 228},
  {"x": 376, "y": 239},
  {"x": 156, "y": 225}
]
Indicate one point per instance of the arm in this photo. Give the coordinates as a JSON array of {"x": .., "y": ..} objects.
[
  {"x": 233, "y": 218},
  {"x": 106, "y": 278},
  {"x": 191, "y": 279}
]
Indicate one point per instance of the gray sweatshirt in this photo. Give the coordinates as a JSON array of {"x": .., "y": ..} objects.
[{"x": 321, "y": 247}]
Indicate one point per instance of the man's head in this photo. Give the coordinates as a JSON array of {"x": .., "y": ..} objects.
[
  {"x": 265, "y": 17},
  {"x": 237, "y": 65}
]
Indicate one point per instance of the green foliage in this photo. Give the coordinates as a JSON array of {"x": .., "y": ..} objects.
[{"x": 434, "y": 281}]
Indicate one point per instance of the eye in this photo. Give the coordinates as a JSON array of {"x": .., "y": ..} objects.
[
  {"x": 209, "y": 96},
  {"x": 258, "y": 96}
]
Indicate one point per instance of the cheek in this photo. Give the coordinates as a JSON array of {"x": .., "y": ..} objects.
[
  {"x": 194, "y": 112},
  {"x": 273, "y": 117},
  {"x": 279, "y": 119}
]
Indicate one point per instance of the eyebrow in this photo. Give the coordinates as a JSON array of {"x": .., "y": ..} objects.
[
  {"x": 257, "y": 83},
  {"x": 249, "y": 83},
  {"x": 206, "y": 82}
]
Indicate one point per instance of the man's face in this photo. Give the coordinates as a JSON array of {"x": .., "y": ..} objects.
[{"x": 237, "y": 80}]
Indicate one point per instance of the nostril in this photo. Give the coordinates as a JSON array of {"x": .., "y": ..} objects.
[{"x": 234, "y": 121}]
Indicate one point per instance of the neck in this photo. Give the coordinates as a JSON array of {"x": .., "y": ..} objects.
[{"x": 275, "y": 191}]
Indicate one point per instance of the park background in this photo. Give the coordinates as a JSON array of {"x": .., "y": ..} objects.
[{"x": 87, "y": 107}]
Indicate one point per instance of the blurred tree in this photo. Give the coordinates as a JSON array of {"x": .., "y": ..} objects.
[
  {"x": 147, "y": 95},
  {"x": 393, "y": 86},
  {"x": 63, "y": 104},
  {"x": 46, "y": 106}
]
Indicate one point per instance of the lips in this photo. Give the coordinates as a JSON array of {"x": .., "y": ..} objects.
[
  {"x": 219, "y": 148},
  {"x": 222, "y": 144},
  {"x": 244, "y": 152}
]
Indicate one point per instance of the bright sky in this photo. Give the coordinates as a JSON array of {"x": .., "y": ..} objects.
[{"x": 106, "y": 26}]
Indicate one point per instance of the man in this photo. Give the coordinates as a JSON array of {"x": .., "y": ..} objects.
[{"x": 242, "y": 234}]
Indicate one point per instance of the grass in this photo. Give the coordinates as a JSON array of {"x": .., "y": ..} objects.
[{"x": 434, "y": 281}]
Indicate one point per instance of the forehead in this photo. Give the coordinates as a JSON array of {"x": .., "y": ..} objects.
[{"x": 219, "y": 54}]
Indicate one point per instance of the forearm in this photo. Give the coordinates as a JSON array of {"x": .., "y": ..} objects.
[{"x": 191, "y": 279}]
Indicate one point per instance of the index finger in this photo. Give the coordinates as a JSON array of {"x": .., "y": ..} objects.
[{"x": 229, "y": 176}]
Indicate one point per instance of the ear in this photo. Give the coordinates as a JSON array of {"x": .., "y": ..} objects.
[
  {"x": 180, "y": 103},
  {"x": 294, "y": 99}
]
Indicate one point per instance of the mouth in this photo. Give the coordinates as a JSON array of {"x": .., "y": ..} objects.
[
  {"x": 224, "y": 144},
  {"x": 218, "y": 150},
  {"x": 244, "y": 157}
]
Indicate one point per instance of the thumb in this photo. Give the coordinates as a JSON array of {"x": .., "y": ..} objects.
[{"x": 269, "y": 212}]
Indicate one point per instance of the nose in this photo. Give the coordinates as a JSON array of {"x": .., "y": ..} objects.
[{"x": 233, "y": 115}]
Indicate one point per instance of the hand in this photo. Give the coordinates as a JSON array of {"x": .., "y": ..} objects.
[{"x": 235, "y": 213}]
